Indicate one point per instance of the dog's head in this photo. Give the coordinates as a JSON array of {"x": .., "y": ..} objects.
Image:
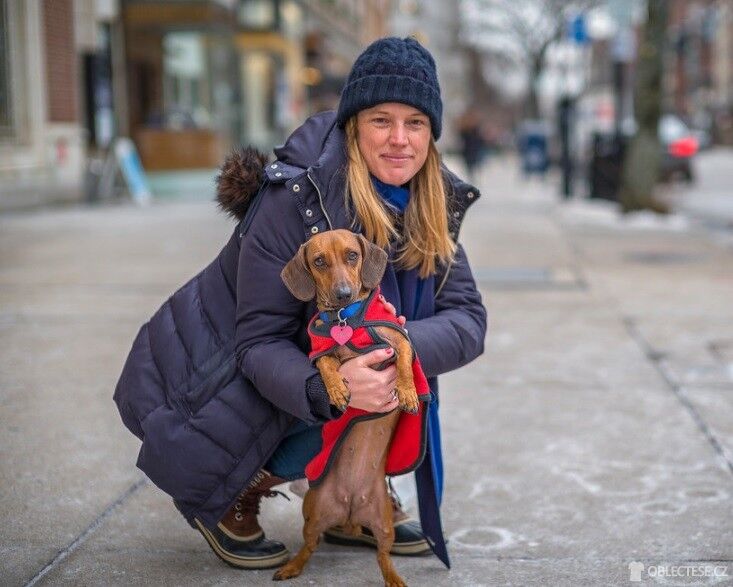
[{"x": 336, "y": 267}]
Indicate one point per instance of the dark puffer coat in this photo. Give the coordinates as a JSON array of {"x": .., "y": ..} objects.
[{"x": 217, "y": 375}]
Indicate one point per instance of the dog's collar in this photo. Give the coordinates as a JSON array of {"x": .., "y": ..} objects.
[{"x": 342, "y": 314}]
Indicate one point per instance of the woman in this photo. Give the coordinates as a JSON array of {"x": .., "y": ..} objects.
[{"x": 218, "y": 384}]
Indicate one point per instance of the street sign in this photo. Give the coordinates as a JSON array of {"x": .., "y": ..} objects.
[
  {"x": 132, "y": 170},
  {"x": 577, "y": 30}
]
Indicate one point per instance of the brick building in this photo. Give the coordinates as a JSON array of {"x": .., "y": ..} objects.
[{"x": 41, "y": 137}]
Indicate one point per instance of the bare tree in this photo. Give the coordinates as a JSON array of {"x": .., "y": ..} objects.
[
  {"x": 519, "y": 32},
  {"x": 640, "y": 172}
]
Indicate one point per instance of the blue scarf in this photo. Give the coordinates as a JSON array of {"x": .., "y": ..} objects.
[
  {"x": 410, "y": 284},
  {"x": 405, "y": 289},
  {"x": 396, "y": 196}
]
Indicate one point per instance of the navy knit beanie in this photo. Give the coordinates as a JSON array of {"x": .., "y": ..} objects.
[{"x": 393, "y": 70}]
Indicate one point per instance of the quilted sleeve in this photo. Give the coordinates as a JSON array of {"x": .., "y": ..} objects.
[{"x": 454, "y": 336}]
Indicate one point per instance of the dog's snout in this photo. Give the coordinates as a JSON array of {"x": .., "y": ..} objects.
[{"x": 343, "y": 292}]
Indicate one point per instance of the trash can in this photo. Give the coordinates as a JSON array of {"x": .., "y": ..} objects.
[
  {"x": 533, "y": 148},
  {"x": 605, "y": 167}
]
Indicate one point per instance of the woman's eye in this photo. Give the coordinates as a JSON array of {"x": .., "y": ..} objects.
[
  {"x": 380, "y": 121},
  {"x": 417, "y": 123}
]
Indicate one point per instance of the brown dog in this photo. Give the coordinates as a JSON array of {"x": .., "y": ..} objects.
[{"x": 338, "y": 268}]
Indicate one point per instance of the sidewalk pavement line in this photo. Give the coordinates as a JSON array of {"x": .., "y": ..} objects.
[
  {"x": 82, "y": 538},
  {"x": 656, "y": 359}
]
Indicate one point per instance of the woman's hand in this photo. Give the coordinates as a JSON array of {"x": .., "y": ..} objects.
[
  {"x": 371, "y": 390},
  {"x": 392, "y": 310}
]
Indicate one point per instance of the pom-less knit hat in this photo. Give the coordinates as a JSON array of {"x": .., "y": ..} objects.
[{"x": 393, "y": 70}]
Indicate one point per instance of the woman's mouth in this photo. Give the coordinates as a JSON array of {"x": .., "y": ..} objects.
[{"x": 396, "y": 158}]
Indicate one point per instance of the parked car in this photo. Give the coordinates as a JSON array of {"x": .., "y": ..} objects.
[{"x": 679, "y": 145}]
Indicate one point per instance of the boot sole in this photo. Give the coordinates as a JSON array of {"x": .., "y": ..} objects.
[
  {"x": 418, "y": 547},
  {"x": 242, "y": 562}
]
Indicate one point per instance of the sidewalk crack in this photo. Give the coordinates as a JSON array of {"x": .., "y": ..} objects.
[
  {"x": 657, "y": 360},
  {"x": 88, "y": 531}
]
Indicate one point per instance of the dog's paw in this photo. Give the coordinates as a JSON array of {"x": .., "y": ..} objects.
[
  {"x": 408, "y": 400},
  {"x": 289, "y": 571},
  {"x": 394, "y": 580},
  {"x": 340, "y": 397}
]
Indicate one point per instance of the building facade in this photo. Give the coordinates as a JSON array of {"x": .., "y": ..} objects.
[{"x": 42, "y": 142}]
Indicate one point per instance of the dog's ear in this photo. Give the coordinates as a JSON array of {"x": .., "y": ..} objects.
[
  {"x": 373, "y": 264},
  {"x": 297, "y": 277}
]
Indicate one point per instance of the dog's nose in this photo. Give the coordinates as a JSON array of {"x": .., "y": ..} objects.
[{"x": 343, "y": 292}]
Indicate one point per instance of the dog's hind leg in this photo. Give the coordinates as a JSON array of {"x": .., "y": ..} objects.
[
  {"x": 383, "y": 529},
  {"x": 313, "y": 527}
]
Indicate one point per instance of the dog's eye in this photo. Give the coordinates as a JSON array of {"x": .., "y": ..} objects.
[
  {"x": 352, "y": 256},
  {"x": 319, "y": 262}
]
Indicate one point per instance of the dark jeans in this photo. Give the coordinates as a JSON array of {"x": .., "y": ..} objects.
[{"x": 301, "y": 444}]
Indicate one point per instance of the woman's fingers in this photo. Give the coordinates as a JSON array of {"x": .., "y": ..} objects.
[
  {"x": 370, "y": 389},
  {"x": 375, "y": 357},
  {"x": 389, "y": 406},
  {"x": 392, "y": 310}
]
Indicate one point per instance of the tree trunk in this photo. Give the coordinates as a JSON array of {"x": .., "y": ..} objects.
[
  {"x": 533, "y": 103},
  {"x": 640, "y": 171}
]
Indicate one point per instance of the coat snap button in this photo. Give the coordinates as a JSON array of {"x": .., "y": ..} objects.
[
  {"x": 309, "y": 212},
  {"x": 314, "y": 230},
  {"x": 273, "y": 166},
  {"x": 296, "y": 188},
  {"x": 470, "y": 195},
  {"x": 456, "y": 214},
  {"x": 278, "y": 174}
]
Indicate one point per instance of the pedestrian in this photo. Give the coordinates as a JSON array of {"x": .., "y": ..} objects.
[
  {"x": 218, "y": 384},
  {"x": 473, "y": 141}
]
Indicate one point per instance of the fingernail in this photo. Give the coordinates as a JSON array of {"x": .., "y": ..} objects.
[{"x": 389, "y": 351}]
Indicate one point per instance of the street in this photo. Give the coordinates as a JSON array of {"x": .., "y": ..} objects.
[{"x": 595, "y": 432}]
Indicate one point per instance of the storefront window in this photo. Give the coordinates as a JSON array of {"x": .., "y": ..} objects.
[
  {"x": 257, "y": 14},
  {"x": 258, "y": 90},
  {"x": 185, "y": 81},
  {"x": 6, "y": 101}
]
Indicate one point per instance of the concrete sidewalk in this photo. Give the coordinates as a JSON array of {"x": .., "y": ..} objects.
[{"x": 596, "y": 430}]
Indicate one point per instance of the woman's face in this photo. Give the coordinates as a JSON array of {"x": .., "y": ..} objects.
[{"x": 393, "y": 138}]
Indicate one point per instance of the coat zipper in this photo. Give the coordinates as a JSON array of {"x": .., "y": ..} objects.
[
  {"x": 445, "y": 278},
  {"x": 320, "y": 200}
]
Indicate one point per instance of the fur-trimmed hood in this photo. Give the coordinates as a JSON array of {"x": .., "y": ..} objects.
[{"x": 239, "y": 180}]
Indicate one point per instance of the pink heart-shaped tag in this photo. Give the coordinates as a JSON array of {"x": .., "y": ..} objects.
[{"x": 341, "y": 334}]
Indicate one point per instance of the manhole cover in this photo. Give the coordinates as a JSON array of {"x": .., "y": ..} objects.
[
  {"x": 527, "y": 277},
  {"x": 663, "y": 258},
  {"x": 513, "y": 274}
]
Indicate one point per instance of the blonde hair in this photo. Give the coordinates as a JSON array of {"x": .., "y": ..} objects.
[{"x": 425, "y": 241}]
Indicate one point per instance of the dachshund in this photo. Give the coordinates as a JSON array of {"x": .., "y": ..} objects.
[{"x": 342, "y": 271}]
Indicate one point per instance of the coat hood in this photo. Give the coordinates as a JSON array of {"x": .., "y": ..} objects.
[
  {"x": 243, "y": 170},
  {"x": 239, "y": 180}
]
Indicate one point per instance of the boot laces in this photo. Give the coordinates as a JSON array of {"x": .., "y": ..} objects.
[
  {"x": 248, "y": 502},
  {"x": 396, "y": 503}
]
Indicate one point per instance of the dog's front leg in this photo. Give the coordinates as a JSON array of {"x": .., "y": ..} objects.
[
  {"x": 336, "y": 388},
  {"x": 406, "y": 391}
]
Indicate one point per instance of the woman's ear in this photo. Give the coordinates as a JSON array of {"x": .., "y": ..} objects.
[
  {"x": 373, "y": 264},
  {"x": 297, "y": 277}
]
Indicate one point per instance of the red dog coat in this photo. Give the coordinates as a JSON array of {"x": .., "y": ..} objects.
[{"x": 408, "y": 443}]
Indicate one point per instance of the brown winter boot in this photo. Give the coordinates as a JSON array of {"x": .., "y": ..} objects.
[{"x": 238, "y": 539}]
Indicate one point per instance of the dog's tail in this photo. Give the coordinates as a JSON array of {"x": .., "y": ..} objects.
[{"x": 239, "y": 180}]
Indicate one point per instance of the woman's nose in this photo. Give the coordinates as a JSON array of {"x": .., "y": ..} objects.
[{"x": 398, "y": 136}]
